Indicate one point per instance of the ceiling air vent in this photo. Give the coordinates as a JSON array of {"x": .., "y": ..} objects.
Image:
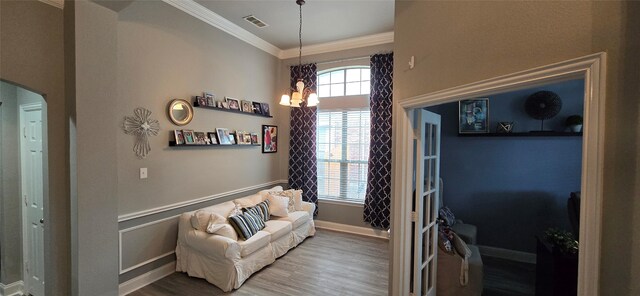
[{"x": 255, "y": 21}]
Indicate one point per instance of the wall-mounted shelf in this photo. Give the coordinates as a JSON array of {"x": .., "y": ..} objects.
[
  {"x": 525, "y": 134},
  {"x": 173, "y": 144},
  {"x": 195, "y": 104}
]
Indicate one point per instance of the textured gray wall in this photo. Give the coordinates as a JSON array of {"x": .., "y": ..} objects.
[
  {"x": 497, "y": 38},
  {"x": 163, "y": 54},
  {"x": 31, "y": 55}
]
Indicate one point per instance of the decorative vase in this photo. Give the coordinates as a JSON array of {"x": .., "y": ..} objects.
[{"x": 576, "y": 128}]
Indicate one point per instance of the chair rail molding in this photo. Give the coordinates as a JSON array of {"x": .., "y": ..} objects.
[{"x": 591, "y": 68}]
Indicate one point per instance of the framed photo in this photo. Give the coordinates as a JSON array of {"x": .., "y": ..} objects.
[
  {"x": 473, "y": 116},
  {"x": 213, "y": 138},
  {"x": 232, "y": 139},
  {"x": 247, "y": 106},
  {"x": 179, "y": 137},
  {"x": 257, "y": 108},
  {"x": 265, "y": 109},
  {"x": 241, "y": 138},
  {"x": 202, "y": 101},
  {"x": 254, "y": 139},
  {"x": 269, "y": 139},
  {"x": 219, "y": 104},
  {"x": 225, "y": 105},
  {"x": 223, "y": 136},
  {"x": 189, "y": 138},
  {"x": 234, "y": 104},
  {"x": 201, "y": 138},
  {"x": 210, "y": 99}
]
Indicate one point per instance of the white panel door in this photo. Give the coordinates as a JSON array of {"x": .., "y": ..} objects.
[
  {"x": 425, "y": 211},
  {"x": 32, "y": 192}
]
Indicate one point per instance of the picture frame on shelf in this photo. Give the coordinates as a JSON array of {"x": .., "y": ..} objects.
[
  {"x": 219, "y": 104},
  {"x": 234, "y": 104},
  {"x": 247, "y": 106},
  {"x": 255, "y": 140},
  {"x": 265, "y": 109},
  {"x": 223, "y": 136},
  {"x": 225, "y": 105},
  {"x": 232, "y": 139},
  {"x": 213, "y": 138},
  {"x": 240, "y": 136},
  {"x": 201, "y": 138},
  {"x": 210, "y": 98},
  {"x": 179, "y": 137},
  {"x": 257, "y": 108},
  {"x": 247, "y": 138},
  {"x": 189, "y": 137},
  {"x": 473, "y": 116},
  {"x": 202, "y": 101},
  {"x": 269, "y": 139}
]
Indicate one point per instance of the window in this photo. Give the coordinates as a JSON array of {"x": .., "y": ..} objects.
[
  {"x": 344, "y": 82},
  {"x": 343, "y": 153},
  {"x": 343, "y": 133}
]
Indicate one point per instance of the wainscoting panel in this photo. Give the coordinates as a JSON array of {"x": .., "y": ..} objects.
[{"x": 147, "y": 242}]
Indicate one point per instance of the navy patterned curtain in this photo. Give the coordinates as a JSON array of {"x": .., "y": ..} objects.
[
  {"x": 303, "y": 173},
  {"x": 377, "y": 202}
]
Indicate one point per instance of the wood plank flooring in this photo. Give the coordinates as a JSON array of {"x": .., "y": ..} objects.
[{"x": 330, "y": 263}]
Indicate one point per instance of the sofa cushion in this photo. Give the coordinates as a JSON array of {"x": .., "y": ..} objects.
[
  {"x": 296, "y": 218},
  {"x": 294, "y": 196},
  {"x": 224, "y": 229},
  {"x": 278, "y": 205},
  {"x": 249, "y": 201},
  {"x": 256, "y": 242},
  {"x": 277, "y": 228},
  {"x": 261, "y": 209},
  {"x": 266, "y": 191},
  {"x": 246, "y": 225}
]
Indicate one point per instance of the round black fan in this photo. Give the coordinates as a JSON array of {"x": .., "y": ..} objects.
[{"x": 543, "y": 105}]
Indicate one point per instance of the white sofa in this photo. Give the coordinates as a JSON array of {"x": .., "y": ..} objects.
[{"x": 226, "y": 262}]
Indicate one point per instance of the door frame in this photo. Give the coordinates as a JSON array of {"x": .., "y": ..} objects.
[
  {"x": 25, "y": 237},
  {"x": 591, "y": 68}
]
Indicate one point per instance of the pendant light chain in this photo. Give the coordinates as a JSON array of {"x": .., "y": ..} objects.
[{"x": 300, "y": 47}]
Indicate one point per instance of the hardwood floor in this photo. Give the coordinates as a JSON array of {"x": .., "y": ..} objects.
[
  {"x": 331, "y": 263},
  {"x": 508, "y": 278}
]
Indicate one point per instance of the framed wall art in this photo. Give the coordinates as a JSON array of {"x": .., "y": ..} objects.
[
  {"x": 473, "y": 116},
  {"x": 269, "y": 139}
]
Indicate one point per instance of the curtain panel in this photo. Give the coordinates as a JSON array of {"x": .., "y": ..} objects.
[
  {"x": 377, "y": 203},
  {"x": 303, "y": 173}
]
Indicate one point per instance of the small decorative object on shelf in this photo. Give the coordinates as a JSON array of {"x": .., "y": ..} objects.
[
  {"x": 223, "y": 136},
  {"x": 473, "y": 116},
  {"x": 234, "y": 104},
  {"x": 574, "y": 123},
  {"x": 269, "y": 139},
  {"x": 257, "y": 108},
  {"x": 189, "y": 137},
  {"x": 213, "y": 137},
  {"x": 505, "y": 127},
  {"x": 543, "y": 105},
  {"x": 254, "y": 139},
  {"x": 142, "y": 127}
]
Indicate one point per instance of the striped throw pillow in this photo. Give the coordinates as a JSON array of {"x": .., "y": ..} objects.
[
  {"x": 246, "y": 225},
  {"x": 261, "y": 209}
]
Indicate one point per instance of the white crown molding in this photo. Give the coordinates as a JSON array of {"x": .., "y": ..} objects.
[
  {"x": 146, "y": 279},
  {"x": 152, "y": 211},
  {"x": 351, "y": 43},
  {"x": 54, "y": 3},
  {"x": 372, "y": 232},
  {"x": 202, "y": 13}
]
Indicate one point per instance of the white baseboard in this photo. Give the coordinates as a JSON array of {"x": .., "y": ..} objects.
[
  {"x": 13, "y": 289},
  {"x": 379, "y": 233},
  {"x": 507, "y": 254},
  {"x": 147, "y": 278}
]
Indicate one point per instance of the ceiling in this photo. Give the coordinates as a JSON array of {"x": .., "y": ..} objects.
[{"x": 323, "y": 20}]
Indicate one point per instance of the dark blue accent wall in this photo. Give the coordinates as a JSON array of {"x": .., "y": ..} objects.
[{"x": 512, "y": 188}]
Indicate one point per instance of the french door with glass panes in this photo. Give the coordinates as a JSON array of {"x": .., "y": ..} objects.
[{"x": 425, "y": 204}]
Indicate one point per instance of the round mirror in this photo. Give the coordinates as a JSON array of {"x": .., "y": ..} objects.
[{"x": 180, "y": 112}]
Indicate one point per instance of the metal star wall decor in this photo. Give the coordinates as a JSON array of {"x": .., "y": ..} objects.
[{"x": 142, "y": 126}]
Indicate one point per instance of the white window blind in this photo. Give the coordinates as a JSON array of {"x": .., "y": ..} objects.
[{"x": 343, "y": 152}]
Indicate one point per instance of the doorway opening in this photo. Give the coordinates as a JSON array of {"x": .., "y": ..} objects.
[
  {"x": 23, "y": 158},
  {"x": 589, "y": 68}
]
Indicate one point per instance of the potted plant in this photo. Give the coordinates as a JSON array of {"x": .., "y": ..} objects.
[
  {"x": 561, "y": 241},
  {"x": 574, "y": 123}
]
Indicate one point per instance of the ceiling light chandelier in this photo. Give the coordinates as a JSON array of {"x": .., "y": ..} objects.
[{"x": 299, "y": 93}]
